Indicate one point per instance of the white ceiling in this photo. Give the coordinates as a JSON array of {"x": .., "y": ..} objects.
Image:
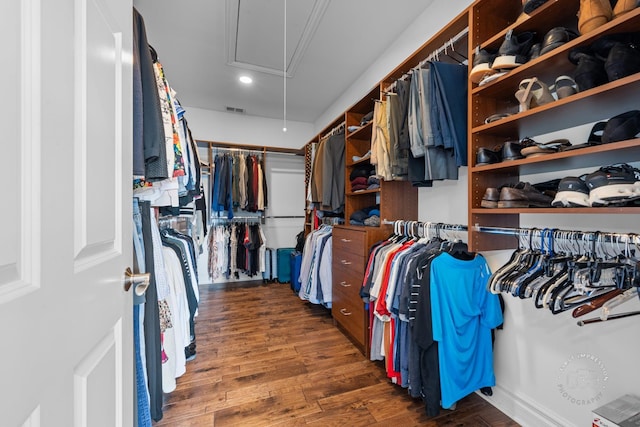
[{"x": 205, "y": 45}]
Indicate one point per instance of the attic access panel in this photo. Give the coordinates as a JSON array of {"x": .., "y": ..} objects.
[{"x": 255, "y": 32}]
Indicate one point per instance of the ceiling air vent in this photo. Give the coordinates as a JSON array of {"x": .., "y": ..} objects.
[{"x": 235, "y": 110}]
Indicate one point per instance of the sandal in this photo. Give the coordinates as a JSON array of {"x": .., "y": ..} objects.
[
  {"x": 564, "y": 86},
  {"x": 528, "y": 97}
]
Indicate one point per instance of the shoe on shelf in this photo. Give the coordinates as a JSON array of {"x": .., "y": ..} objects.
[
  {"x": 595, "y": 137},
  {"x": 564, "y": 86},
  {"x": 589, "y": 71},
  {"x": 622, "y": 127},
  {"x": 529, "y": 6},
  {"x": 533, "y": 93},
  {"x": 488, "y": 78},
  {"x": 623, "y": 60},
  {"x": 556, "y": 37},
  {"x": 482, "y": 62},
  {"x": 572, "y": 192},
  {"x": 523, "y": 195},
  {"x": 512, "y": 150},
  {"x": 624, "y": 6},
  {"x": 495, "y": 117},
  {"x": 488, "y": 156},
  {"x": 514, "y": 50},
  {"x": 613, "y": 184},
  {"x": 593, "y": 14},
  {"x": 534, "y": 52},
  {"x": 535, "y": 149},
  {"x": 490, "y": 198}
]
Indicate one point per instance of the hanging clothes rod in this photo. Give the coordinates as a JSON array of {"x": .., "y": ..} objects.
[
  {"x": 256, "y": 148},
  {"x": 237, "y": 219},
  {"x": 335, "y": 130},
  {"x": 446, "y": 46},
  {"x": 606, "y": 237},
  {"x": 238, "y": 150},
  {"x": 449, "y": 44}
]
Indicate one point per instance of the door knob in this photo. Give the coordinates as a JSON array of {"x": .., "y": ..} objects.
[{"x": 140, "y": 281}]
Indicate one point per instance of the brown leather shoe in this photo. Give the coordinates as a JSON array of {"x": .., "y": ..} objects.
[
  {"x": 593, "y": 14},
  {"x": 490, "y": 198},
  {"x": 624, "y": 6},
  {"x": 523, "y": 195}
]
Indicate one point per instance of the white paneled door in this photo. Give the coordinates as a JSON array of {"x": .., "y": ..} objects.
[{"x": 65, "y": 319}]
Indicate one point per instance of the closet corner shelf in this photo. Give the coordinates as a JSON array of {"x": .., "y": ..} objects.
[
  {"x": 559, "y": 110},
  {"x": 602, "y": 210},
  {"x": 545, "y": 63},
  {"x": 559, "y": 8},
  {"x": 359, "y": 162},
  {"x": 506, "y": 165},
  {"x": 359, "y": 193},
  {"x": 363, "y": 133}
]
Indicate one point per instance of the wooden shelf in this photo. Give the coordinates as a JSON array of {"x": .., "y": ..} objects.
[
  {"x": 581, "y": 108},
  {"x": 631, "y": 146},
  {"x": 359, "y": 162},
  {"x": 364, "y": 133},
  {"x": 490, "y": 22},
  {"x": 363, "y": 192},
  {"x": 562, "y": 10}
]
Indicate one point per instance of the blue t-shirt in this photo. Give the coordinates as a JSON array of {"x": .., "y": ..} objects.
[{"x": 463, "y": 313}]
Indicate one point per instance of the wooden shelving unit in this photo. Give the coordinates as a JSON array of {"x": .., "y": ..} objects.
[{"x": 490, "y": 21}]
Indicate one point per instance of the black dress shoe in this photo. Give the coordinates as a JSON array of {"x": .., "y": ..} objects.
[
  {"x": 530, "y": 5},
  {"x": 487, "y": 156},
  {"x": 556, "y": 37},
  {"x": 511, "y": 150},
  {"x": 589, "y": 71},
  {"x": 622, "y": 61}
]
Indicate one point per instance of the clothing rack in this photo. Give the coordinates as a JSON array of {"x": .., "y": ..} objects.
[
  {"x": 237, "y": 150},
  {"x": 449, "y": 44},
  {"x": 243, "y": 219},
  {"x": 250, "y": 148},
  {"x": 535, "y": 233}
]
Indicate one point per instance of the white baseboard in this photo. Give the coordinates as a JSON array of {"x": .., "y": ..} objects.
[{"x": 524, "y": 411}]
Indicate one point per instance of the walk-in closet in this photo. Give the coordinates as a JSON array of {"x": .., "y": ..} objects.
[{"x": 323, "y": 213}]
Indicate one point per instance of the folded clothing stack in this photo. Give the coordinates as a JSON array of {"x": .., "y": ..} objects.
[
  {"x": 359, "y": 176},
  {"x": 374, "y": 182},
  {"x": 359, "y": 183},
  {"x": 369, "y": 216}
]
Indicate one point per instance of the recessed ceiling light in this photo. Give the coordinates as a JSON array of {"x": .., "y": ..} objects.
[{"x": 246, "y": 80}]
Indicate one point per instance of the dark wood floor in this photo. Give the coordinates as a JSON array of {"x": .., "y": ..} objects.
[{"x": 266, "y": 358}]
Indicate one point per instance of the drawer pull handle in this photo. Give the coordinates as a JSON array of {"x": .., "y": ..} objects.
[
  {"x": 344, "y": 312},
  {"x": 345, "y": 284},
  {"x": 345, "y": 262},
  {"x": 346, "y": 240}
]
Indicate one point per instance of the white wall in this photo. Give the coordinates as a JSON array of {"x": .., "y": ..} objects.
[
  {"x": 208, "y": 125},
  {"x": 422, "y": 29}
]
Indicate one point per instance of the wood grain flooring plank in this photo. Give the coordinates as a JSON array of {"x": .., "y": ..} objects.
[
  {"x": 266, "y": 358},
  {"x": 266, "y": 411}
]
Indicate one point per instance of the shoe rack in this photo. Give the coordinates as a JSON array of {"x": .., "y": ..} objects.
[{"x": 489, "y": 22}]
